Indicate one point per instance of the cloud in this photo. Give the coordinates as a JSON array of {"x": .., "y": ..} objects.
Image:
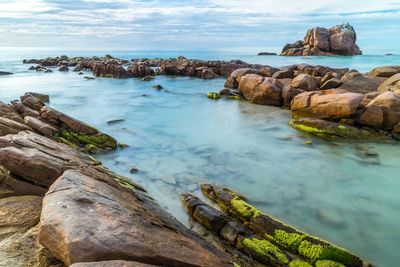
[{"x": 187, "y": 24}]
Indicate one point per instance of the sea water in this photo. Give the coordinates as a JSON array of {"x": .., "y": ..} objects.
[{"x": 344, "y": 192}]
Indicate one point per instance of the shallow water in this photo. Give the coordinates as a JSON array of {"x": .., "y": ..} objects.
[{"x": 177, "y": 138}]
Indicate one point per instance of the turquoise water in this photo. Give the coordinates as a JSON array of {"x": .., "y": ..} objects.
[{"x": 177, "y": 138}]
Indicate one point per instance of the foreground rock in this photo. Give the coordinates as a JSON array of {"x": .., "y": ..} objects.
[
  {"x": 338, "y": 40},
  {"x": 261, "y": 236},
  {"x": 261, "y": 90}
]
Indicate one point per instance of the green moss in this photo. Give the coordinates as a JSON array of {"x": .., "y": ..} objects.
[
  {"x": 315, "y": 252},
  {"x": 299, "y": 263},
  {"x": 328, "y": 263},
  {"x": 233, "y": 97},
  {"x": 63, "y": 140},
  {"x": 213, "y": 95},
  {"x": 265, "y": 250},
  {"x": 290, "y": 241},
  {"x": 106, "y": 76},
  {"x": 98, "y": 140},
  {"x": 236, "y": 265},
  {"x": 308, "y": 142},
  {"x": 243, "y": 209}
]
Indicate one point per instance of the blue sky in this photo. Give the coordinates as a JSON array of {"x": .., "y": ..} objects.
[{"x": 192, "y": 25}]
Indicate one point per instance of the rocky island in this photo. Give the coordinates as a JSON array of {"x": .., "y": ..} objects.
[{"x": 338, "y": 40}]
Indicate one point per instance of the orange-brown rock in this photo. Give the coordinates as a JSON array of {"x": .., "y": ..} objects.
[
  {"x": 390, "y": 84},
  {"x": 261, "y": 90},
  {"x": 305, "y": 82}
]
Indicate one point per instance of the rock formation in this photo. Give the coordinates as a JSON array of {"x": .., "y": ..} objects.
[{"x": 338, "y": 40}]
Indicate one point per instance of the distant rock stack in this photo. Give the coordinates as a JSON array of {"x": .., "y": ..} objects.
[{"x": 338, "y": 40}]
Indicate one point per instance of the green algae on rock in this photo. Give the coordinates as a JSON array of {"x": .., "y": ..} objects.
[
  {"x": 214, "y": 95},
  {"x": 328, "y": 263},
  {"x": 264, "y": 250},
  {"x": 333, "y": 130},
  {"x": 299, "y": 263},
  {"x": 100, "y": 140}
]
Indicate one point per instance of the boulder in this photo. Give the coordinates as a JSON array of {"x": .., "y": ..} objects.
[
  {"x": 268, "y": 71},
  {"x": 24, "y": 110},
  {"x": 97, "y": 221},
  {"x": 382, "y": 112},
  {"x": 343, "y": 40},
  {"x": 266, "y": 54},
  {"x": 42, "y": 97},
  {"x": 396, "y": 131},
  {"x": 288, "y": 93},
  {"x": 350, "y": 75},
  {"x": 11, "y": 185},
  {"x": 305, "y": 82},
  {"x": 237, "y": 75},
  {"x": 326, "y": 104},
  {"x": 283, "y": 74},
  {"x": 331, "y": 84},
  {"x": 390, "y": 84},
  {"x": 9, "y": 113},
  {"x": 385, "y": 71},
  {"x": 63, "y": 68},
  {"x": 2, "y": 73},
  {"x": 261, "y": 90},
  {"x": 318, "y": 37},
  {"x": 109, "y": 70},
  {"x": 208, "y": 73},
  {"x": 361, "y": 84},
  {"x": 32, "y": 102}
]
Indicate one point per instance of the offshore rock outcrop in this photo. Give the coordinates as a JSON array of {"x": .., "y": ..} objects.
[
  {"x": 262, "y": 237},
  {"x": 338, "y": 40},
  {"x": 60, "y": 206}
]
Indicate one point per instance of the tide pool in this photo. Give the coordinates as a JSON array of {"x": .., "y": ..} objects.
[{"x": 345, "y": 192}]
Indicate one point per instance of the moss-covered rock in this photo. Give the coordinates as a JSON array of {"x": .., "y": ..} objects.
[
  {"x": 243, "y": 209},
  {"x": 328, "y": 263},
  {"x": 213, "y": 95},
  {"x": 100, "y": 140},
  {"x": 332, "y": 130},
  {"x": 299, "y": 263},
  {"x": 290, "y": 241},
  {"x": 264, "y": 251}
]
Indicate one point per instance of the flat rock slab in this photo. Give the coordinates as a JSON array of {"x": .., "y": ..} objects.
[{"x": 84, "y": 219}]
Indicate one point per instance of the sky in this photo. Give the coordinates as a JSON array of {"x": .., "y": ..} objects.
[{"x": 206, "y": 25}]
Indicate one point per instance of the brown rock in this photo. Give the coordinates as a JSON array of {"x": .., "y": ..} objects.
[
  {"x": 75, "y": 125},
  {"x": 24, "y": 110},
  {"x": 109, "y": 70},
  {"x": 208, "y": 73},
  {"x": 326, "y": 104},
  {"x": 8, "y": 126},
  {"x": 305, "y": 82},
  {"x": 239, "y": 73},
  {"x": 268, "y": 71},
  {"x": 385, "y": 71},
  {"x": 396, "y": 131},
  {"x": 331, "y": 84},
  {"x": 9, "y": 113},
  {"x": 11, "y": 185},
  {"x": 261, "y": 90},
  {"x": 40, "y": 126},
  {"x": 32, "y": 102},
  {"x": 99, "y": 222},
  {"x": 283, "y": 74},
  {"x": 350, "y": 75},
  {"x": 288, "y": 93},
  {"x": 390, "y": 84},
  {"x": 361, "y": 84},
  {"x": 318, "y": 37}
]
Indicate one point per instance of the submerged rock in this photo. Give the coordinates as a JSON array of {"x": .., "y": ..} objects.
[{"x": 5, "y": 73}]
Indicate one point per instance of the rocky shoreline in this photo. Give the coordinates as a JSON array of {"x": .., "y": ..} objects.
[{"x": 329, "y": 102}]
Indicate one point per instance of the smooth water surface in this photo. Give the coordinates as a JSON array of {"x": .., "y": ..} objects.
[{"x": 178, "y": 138}]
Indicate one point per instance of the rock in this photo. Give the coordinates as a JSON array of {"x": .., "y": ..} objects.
[
  {"x": 305, "y": 82},
  {"x": 112, "y": 122},
  {"x": 8, "y": 126},
  {"x": 47, "y": 113},
  {"x": 9, "y": 113},
  {"x": 158, "y": 87},
  {"x": 338, "y": 40},
  {"x": 5, "y": 73},
  {"x": 42, "y": 97},
  {"x": 133, "y": 170},
  {"x": 87, "y": 226},
  {"x": 11, "y": 185},
  {"x": 237, "y": 75},
  {"x": 350, "y": 75},
  {"x": 208, "y": 73},
  {"x": 334, "y": 130},
  {"x": 40, "y": 126},
  {"x": 283, "y": 74},
  {"x": 32, "y": 102},
  {"x": 266, "y": 54},
  {"x": 63, "y": 68},
  {"x": 115, "y": 263},
  {"x": 396, "y": 131},
  {"x": 109, "y": 70},
  {"x": 89, "y": 78},
  {"x": 261, "y": 90},
  {"x": 382, "y": 112},
  {"x": 213, "y": 95},
  {"x": 390, "y": 84},
  {"x": 326, "y": 104},
  {"x": 385, "y": 71},
  {"x": 331, "y": 84},
  {"x": 268, "y": 71},
  {"x": 148, "y": 78},
  {"x": 288, "y": 93},
  {"x": 18, "y": 214},
  {"x": 361, "y": 84}
]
